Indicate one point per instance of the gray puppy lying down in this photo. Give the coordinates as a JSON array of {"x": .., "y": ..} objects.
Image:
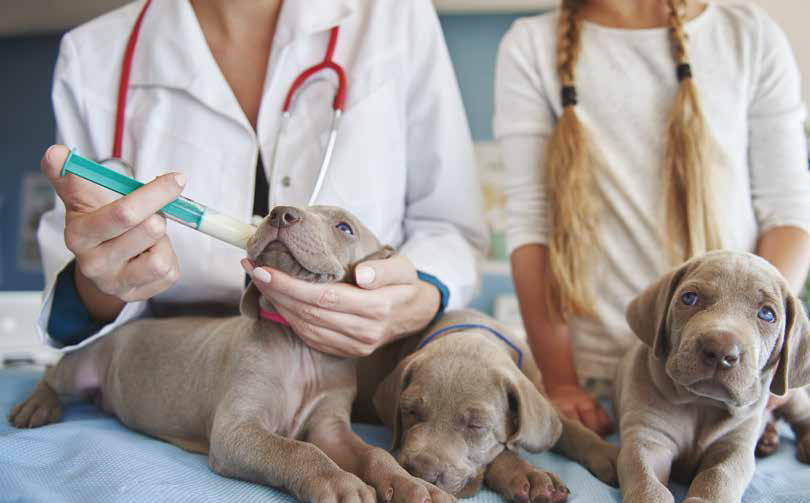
[
  {"x": 718, "y": 334},
  {"x": 461, "y": 408},
  {"x": 246, "y": 390}
]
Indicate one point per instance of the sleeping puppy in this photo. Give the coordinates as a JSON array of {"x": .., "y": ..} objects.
[
  {"x": 245, "y": 390},
  {"x": 461, "y": 408},
  {"x": 719, "y": 333}
]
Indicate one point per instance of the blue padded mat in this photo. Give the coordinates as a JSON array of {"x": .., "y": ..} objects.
[{"x": 89, "y": 457}]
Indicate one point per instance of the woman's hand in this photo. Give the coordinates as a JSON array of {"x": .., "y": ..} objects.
[
  {"x": 352, "y": 321},
  {"x": 575, "y": 403},
  {"x": 121, "y": 248}
]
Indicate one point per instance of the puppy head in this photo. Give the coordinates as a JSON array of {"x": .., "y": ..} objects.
[
  {"x": 725, "y": 325},
  {"x": 321, "y": 244},
  {"x": 453, "y": 411}
]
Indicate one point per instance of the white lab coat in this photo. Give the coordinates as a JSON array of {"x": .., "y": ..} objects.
[{"x": 403, "y": 161}]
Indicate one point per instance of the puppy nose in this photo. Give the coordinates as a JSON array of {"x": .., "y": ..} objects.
[
  {"x": 284, "y": 216},
  {"x": 720, "y": 350},
  {"x": 424, "y": 467}
]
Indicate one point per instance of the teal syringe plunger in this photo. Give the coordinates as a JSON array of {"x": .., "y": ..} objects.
[{"x": 183, "y": 210}]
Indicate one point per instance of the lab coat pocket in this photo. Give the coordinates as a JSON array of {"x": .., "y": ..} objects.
[{"x": 369, "y": 158}]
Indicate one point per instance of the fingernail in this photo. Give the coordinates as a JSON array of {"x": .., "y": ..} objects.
[
  {"x": 261, "y": 275},
  {"x": 49, "y": 154},
  {"x": 181, "y": 179},
  {"x": 364, "y": 275}
]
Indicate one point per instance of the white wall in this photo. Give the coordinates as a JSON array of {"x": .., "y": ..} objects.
[{"x": 794, "y": 17}]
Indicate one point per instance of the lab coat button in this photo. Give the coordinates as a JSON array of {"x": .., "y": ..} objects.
[{"x": 286, "y": 181}]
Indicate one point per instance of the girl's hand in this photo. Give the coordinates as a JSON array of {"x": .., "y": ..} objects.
[
  {"x": 352, "y": 321},
  {"x": 121, "y": 248},
  {"x": 575, "y": 403}
]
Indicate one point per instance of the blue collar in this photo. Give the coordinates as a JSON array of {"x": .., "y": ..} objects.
[{"x": 464, "y": 326}]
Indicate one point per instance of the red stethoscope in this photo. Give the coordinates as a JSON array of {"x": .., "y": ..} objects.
[{"x": 297, "y": 87}]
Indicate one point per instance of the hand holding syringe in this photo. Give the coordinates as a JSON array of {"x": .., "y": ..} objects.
[{"x": 182, "y": 209}]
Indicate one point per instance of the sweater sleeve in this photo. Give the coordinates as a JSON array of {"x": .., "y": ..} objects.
[
  {"x": 780, "y": 181},
  {"x": 523, "y": 123}
]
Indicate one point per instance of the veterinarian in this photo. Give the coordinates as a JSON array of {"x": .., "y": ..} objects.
[
  {"x": 204, "y": 83},
  {"x": 636, "y": 135}
]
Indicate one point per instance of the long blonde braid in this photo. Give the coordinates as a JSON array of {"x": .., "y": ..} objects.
[
  {"x": 691, "y": 159},
  {"x": 571, "y": 194}
]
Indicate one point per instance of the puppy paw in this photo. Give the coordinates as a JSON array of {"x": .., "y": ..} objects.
[
  {"x": 803, "y": 448},
  {"x": 769, "y": 440},
  {"x": 40, "y": 408},
  {"x": 602, "y": 463},
  {"x": 399, "y": 488},
  {"x": 532, "y": 485},
  {"x": 336, "y": 487}
]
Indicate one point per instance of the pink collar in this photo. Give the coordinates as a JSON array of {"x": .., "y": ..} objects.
[{"x": 274, "y": 317}]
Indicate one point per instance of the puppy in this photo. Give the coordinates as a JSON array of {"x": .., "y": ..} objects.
[
  {"x": 245, "y": 390},
  {"x": 718, "y": 334},
  {"x": 461, "y": 408}
]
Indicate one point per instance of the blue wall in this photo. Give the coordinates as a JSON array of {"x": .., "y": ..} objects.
[{"x": 27, "y": 127}]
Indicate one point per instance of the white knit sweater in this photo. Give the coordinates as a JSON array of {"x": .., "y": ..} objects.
[{"x": 749, "y": 86}]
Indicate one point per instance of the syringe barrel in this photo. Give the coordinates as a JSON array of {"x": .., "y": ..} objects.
[{"x": 211, "y": 222}]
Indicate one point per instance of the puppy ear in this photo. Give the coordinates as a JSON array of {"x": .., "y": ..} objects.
[
  {"x": 537, "y": 425},
  {"x": 249, "y": 304},
  {"x": 793, "y": 370},
  {"x": 647, "y": 314},
  {"x": 386, "y": 398}
]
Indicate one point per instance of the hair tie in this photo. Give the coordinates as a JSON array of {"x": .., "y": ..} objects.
[
  {"x": 684, "y": 71},
  {"x": 569, "y": 96}
]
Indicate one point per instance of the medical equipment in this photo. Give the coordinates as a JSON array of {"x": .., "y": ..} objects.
[
  {"x": 183, "y": 210},
  {"x": 297, "y": 87}
]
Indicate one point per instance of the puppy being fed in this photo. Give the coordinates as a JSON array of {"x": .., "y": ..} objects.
[
  {"x": 464, "y": 399},
  {"x": 245, "y": 390},
  {"x": 719, "y": 333}
]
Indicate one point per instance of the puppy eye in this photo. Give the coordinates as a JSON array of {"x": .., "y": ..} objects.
[
  {"x": 767, "y": 314},
  {"x": 411, "y": 413},
  {"x": 345, "y": 228},
  {"x": 477, "y": 428},
  {"x": 689, "y": 298}
]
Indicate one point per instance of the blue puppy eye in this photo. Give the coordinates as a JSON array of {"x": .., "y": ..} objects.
[
  {"x": 345, "y": 228},
  {"x": 689, "y": 298},
  {"x": 766, "y": 314}
]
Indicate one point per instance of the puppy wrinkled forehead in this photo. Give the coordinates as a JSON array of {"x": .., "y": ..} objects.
[
  {"x": 736, "y": 271},
  {"x": 333, "y": 213}
]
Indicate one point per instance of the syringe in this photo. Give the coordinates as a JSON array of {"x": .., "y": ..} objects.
[{"x": 183, "y": 210}]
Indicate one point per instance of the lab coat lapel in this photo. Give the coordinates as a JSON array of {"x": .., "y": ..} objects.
[{"x": 172, "y": 52}]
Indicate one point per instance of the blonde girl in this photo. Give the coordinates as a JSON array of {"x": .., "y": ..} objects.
[{"x": 636, "y": 134}]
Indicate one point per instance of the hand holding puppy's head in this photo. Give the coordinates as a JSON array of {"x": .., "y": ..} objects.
[
  {"x": 724, "y": 325},
  {"x": 453, "y": 412},
  {"x": 320, "y": 244}
]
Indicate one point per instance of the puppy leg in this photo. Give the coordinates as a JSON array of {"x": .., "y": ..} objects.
[
  {"x": 768, "y": 442},
  {"x": 797, "y": 412},
  {"x": 244, "y": 449},
  {"x": 520, "y": 482},
  {"x": 724, "y": 473},
  {"x": 377, "y": 467},
  {"x": 644, "y": 468},
  {"x": 589, "y": 449},
  {"x": 75, "y": 375}
]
